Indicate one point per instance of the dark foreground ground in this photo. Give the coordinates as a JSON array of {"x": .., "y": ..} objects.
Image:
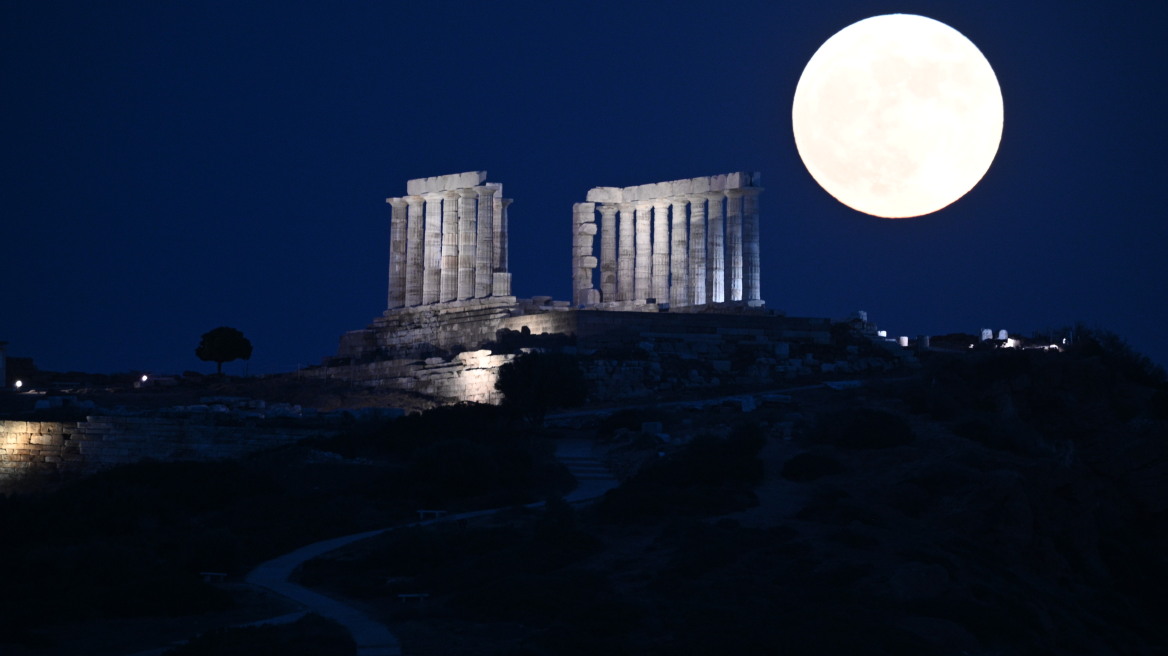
[{"x": 1002, "y": 503}]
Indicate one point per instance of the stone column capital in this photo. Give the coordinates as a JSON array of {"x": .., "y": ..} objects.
[
  {"x": 396, "y": 202},
  {"x": 433, "y": 195},
  {"x": 697, "y": 198},
  {"x": 626, "y": 207},
  {"x": 660, "y": 203},
  {"x": 485, "y": 191},
  {"x": 414, "y": 200},
  {"x": 608, "y": 208},
  {"x": 643, "y": 205},
  {"x": 714, "y": 195},
  {"x": 506, "y": 201},
  {"x": 450, "y": 194},
  {"x": 678, "y": 200},
  {"x": 737, "y": 192}
]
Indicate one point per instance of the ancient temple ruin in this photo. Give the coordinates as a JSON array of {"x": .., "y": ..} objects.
[
  {"x": 674, "y": 274},
  {"x": 448, "y": 241},
  {"x": 688, "y": 242}
]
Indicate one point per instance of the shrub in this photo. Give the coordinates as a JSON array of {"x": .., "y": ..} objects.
[
  {"x": 311, "y": 635},
  {"x": 864, "y": 428},
  {"x": 709, "y": 476},
  {"x": 534, "y": 383},
  {"x": 806, "y": 467}
]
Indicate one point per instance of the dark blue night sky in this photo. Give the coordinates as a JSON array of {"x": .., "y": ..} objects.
[{"x": 171, "y": 167}]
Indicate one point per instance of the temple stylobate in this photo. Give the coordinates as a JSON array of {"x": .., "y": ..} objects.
[
  {"x": 688, "y": 242},
  {"x": 448, "y": 241}
]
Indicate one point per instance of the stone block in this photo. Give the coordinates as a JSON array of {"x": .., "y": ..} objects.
[
  {"x": 588, "y": 262},
  {"x": 586, "y": 228},
  {"x": 605, "y": 195},
  {"x": 48, "y": 439},
  {"x": 583, "y": 209},
  {"x": 419, "y": 186}
]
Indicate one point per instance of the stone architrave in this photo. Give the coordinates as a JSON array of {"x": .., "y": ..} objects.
[
  {"x": 660, "y": 289},
  {"x": 608, "y": 252},
  {"x": 415, "y": 222},
  {"x": 397, "y": 252},
  {"x": 502, "y": 277},
  {"x": 448, "y": 288},
  {"x": 423, "y": 186},
  {"x": 432, "y": 257},
  {"x": 626, "y": 253},
  {"x": 697, "y": 249},
  {"x": 679, "y": 254},
  {"x": 715, "y": 249},
  {"x": 734, "y": 244},
  {"x": 467, "y": 243},
  {"x": 583, "y": 262},
  {"x": 485, "y": 257},
  {"x": 643, "y": 262},
  {"x": 751, "y": 269}
]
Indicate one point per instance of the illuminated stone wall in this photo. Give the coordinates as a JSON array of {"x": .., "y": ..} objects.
[
  {"x": 673, "y": 351},
  {"x": 467, "y": 376},
  {"x": 33, "y": 451}
]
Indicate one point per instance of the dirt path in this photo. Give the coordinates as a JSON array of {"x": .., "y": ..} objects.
[{"x": 374, "y": 638}]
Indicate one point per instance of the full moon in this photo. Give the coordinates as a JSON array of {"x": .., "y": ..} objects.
[{"x": 897, "y": 116}]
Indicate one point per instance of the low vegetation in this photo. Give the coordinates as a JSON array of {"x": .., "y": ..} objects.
[
  {"x": 132, "y": 541},
  {"x": 1001, "y": 501}
]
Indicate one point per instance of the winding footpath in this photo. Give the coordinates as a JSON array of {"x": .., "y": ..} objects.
[{"x": 372, "y": 637}]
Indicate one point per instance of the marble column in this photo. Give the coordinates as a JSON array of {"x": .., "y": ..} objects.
[
  {"x": 498, "y": 262},
  {"x": 643, "y": 264},
  {"x": 660, "y": 290},
  {"x": 502, "y": 278},
  {"x": 734, "y": 244},
  {"x": 608, "y": 252},
  {"x": 415, "y": 223},
  {"x": 397, "y": 252},
  {"x": 697, "y": 249},
  {"x": 751, "y": 270},
  {"x": 715, "y": 249},
  {"x": 626, "y": 253},
  {"x": 432, "y": 258},
  {"x": 485, "y": 257},
  {"x": 679, "y": 255},
  {"x": 448, "y": 287},
  {"x": 467, "y": 243},
  {"x": 583, "y": 262}
]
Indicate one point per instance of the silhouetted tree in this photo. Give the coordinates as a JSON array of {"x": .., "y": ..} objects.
[
  {"x": 534, "y": 383},
  {"x": 1118, "y": 354},
  {"x": 221, "y": 345}
]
